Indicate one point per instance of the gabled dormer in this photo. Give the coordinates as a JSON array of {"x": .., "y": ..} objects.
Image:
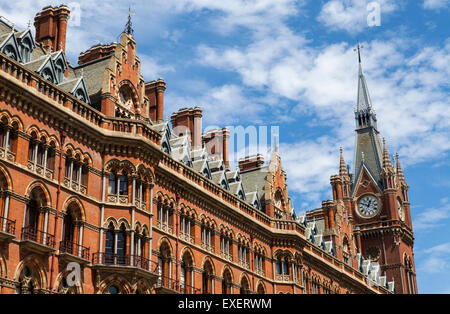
[
  {"x": 60, "y": 63},
  {"x": 26, "y": 45},
  {"x": 47, "y": 71},
  {"x": 10, "y": 47},
  {"x": 80, "y": 91}
]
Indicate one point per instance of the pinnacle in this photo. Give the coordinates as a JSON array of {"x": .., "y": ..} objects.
[
  {"x": 386, "y": 159},
  {"x": 400, "y": 175},
  {"x": 342, "y": 167}
]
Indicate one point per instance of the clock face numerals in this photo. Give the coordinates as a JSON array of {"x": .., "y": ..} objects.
[
  {"x": 400, "y": 210},
  {"x": 368, "y": 206}
]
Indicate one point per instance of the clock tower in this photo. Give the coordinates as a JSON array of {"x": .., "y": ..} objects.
[{"x": 379, "y": 203}]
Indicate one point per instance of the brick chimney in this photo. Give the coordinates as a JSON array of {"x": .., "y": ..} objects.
[
  {"x": 154, "y": 91},
  {"x": 96, "y": 52},
  {"x": 216, "y": 143},
  {"x": 51, "y": 27},
  {"x": 189, "y": 119},
  {"x": 251, "y": 162}
]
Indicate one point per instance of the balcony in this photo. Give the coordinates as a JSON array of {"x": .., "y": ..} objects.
[
  {"x": 283, "y": 277},
  {"x": 188, "y": 289},
  {"x": 187, "y": 237},
  {"x": 166, "y": 285},
  {"x": 226, "y": 256},
  {"x": 164, "y": 227},
  {"x": 207, "y": 247},
  {"x": 37, "y": 241},
  {"x": 7, "y": 229},
  {"x": 73, "y": 252},
  {"x": 244, "y": 264},
  {"x": 10, "y": 156},
  {"x": 124, "y": 264}
]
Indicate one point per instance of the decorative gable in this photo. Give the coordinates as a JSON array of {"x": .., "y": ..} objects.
[
  {"x": 10, "y": 48},
  {"x": 81, "y": 92}
]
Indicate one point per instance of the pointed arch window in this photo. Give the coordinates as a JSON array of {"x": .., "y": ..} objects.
[
  {"x": 26, "y": 48},
  {"x": 109, "y": 245},
  {"x": 123, "y": 187},
  {"x": 48, "y": 75},
  {"x": 112, "y": 183},
  {"x": 10, "y": 52}
]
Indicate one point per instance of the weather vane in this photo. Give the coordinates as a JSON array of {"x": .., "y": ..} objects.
[
  {"x": 129, "y": 27},
  {"x": 358, "y": 48}
]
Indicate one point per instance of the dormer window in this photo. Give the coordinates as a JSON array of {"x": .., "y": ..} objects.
[
  {"x": 10, "y": 52},
  {"x": 59, "y": 71},
  {"x": 79, "y": 94},
  {"x": 47, "y": 74},
  {"x": 26, "y": 50}
]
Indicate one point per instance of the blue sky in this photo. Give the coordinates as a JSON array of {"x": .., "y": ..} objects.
[{"x": 291, "y": 64}]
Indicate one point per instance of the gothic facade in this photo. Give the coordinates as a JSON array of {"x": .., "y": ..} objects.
[{"x": 98, "y": 194}]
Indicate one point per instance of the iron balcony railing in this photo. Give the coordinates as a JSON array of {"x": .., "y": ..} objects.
[
  {"x": 100, "y": 258},
  {"x": 74, "y": 249},
  {"x": 166, "y": 282},
  {"x": 8, "y": 226},
  {"x": 30, "y": 233}
]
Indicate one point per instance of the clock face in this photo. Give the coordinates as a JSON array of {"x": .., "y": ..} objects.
[
  {"x": 368, "y": 206},
  {"x": 400, "y": 210}
]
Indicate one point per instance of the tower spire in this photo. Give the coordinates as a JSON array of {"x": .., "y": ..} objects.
[
  {"x": 368, "y": 149},
  {"x": 364, "y": 101}
]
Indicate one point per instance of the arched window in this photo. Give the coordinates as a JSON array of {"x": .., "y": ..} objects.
[
  {"x": 69, "y": 227},
  {"x": 164, "y": 265},
  {"x": 261, "y": 289},
  {"x": 245, "y": 286},
  {"x": 112, "y": 184},
  {"x": 26, "y": 50},
  {"x": 207, "y": 278},
  {"x": 187, "y": 274},
  {"x": 123, "y": 188},
  {"x": 109, "y": 245},
  {"x": 48, "y": 75},
  {"x": 10, "y": 52},
  {"x": 121, "y": 246},
  {"x": 59, "y": 68},
  {"x": 226, "y": 282},
  {"x": 79, "y": 94},
  {"x": 32, "y": 216}
]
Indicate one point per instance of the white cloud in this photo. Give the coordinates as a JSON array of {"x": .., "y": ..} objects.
[
  {"x": 221, "y": 105},
  {"x": 432, "y": 218},
  {"x": 436, "y": 4},
  {"x": 151, "y": 69},
  {"x": 437, "y": 259},
  {"x": 351, "y": 15}
]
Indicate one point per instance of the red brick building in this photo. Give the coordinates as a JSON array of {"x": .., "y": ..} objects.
[{"x": 91, "y": 174}]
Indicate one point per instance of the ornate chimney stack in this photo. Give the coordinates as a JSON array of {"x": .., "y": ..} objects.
[{"x": 51, "y": 27}]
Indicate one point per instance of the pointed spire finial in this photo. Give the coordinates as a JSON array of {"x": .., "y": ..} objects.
[
  {"x": 29, "y": 24},
  {"x": 129, "y": 26},
  {"x": 342, "y": 167},
  {"x": 386, "y": 159},
  {"x": 400, "y": 175},
  {"x": 358, "y": 48}
]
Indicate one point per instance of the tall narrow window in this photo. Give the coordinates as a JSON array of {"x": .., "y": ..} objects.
[
  {"x": 109, "y": 245},
  {"x": 124, "y": 184},
  {"x": 112, "y": 184},
  {"x": 121, "y": 245}
]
